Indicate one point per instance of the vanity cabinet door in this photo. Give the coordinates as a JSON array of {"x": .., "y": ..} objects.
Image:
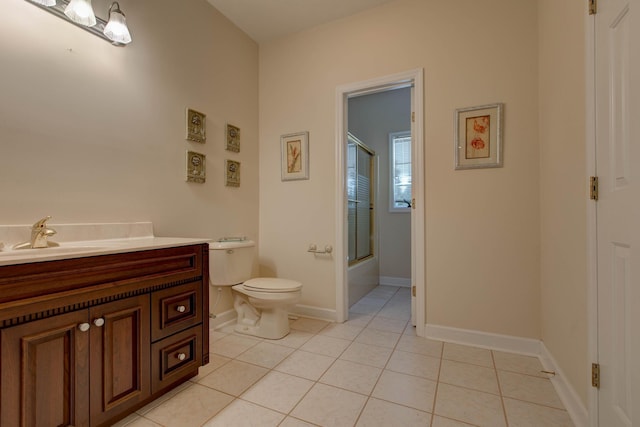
[
  {"x": 120, "y": 355},
  {"x": 45, "y": 372}
]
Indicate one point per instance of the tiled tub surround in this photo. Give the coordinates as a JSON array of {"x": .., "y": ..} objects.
[
  {"x": 369, "y": 371},
  {"x": 79, "y": 240}
]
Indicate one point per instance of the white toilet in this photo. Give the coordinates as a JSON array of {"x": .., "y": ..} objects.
[{"x": 262, "y": 304}]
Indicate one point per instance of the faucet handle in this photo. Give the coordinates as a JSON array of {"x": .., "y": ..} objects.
[{"x": 41, "y": 223}]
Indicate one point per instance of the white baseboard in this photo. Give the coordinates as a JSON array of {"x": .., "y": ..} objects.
[
  {"x": 394, "y": 281},
  {"x": 487, "y": 340},
  {"x": 222, "y": 319},
  {"x": 527, "y": 346},
  {"x": 570, "y": 399},
  {"x": 314, "y": 312}
]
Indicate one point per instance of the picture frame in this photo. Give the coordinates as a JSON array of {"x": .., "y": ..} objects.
[
  {"x": 232, "y": 172},
  {"x": 233, "y": 138},
  {"x": 196, "y": 167},
  {"x": 478, "y": 137},
  {"x": 294, "y": 150},
  {"x": 196, "y": 126}
]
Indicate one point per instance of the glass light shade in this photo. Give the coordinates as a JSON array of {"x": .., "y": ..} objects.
[
  {"x": 45, "y": 2},
  {"x": 116, "y": 29},
  {"x": 81, "y": 12}
]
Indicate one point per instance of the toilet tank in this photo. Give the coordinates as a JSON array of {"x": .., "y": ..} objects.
[{"x": 231, "y": 262}]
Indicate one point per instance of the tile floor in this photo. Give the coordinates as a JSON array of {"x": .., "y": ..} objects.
[{"x": 370, "y": 371}]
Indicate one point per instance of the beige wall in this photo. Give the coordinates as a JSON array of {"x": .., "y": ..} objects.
[
  {"x": 563, "y": 187},
  {"x": 482, "y": 227},
  {"x": 94, "y": 133}
]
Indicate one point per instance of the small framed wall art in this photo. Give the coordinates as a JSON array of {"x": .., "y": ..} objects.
[
  {"x": 233, "y": 138},
  {"x": 196, "y": 167},
  {"x": 196, "y": 126},
  {"x": 294, "y": 149},
  {"x": 232, "y": 173},
  {"x": 478, "y": 137}
]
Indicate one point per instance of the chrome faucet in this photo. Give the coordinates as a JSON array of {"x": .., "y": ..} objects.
[{"x": 40, "y": 232}]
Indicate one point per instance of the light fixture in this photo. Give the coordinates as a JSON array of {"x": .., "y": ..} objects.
[
  {"x": 81, "y": 12},
  {"x": 116, "y": 29}
]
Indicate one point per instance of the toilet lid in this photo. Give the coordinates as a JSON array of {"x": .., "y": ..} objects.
[{"x": 266, "y": 284}]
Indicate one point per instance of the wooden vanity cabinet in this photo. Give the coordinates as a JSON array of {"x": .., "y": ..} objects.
[
  {"x": 92, "y": 355},
  {"x": 119, "y": 355},
  {"x": 45, "y": 373}
]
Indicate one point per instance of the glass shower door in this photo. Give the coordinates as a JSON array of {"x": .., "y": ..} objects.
[{"x": 360, "y": 200}]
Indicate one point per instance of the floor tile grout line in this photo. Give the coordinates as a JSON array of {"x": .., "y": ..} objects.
[
  {"x": 366, "y": 402},
  {"x": 504, "y": 408},
  {"x": 435, "y": 392}
]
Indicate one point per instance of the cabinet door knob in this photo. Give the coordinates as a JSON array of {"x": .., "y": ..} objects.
[
  {"x": 181, "y": 356},
  {"x": 98, "y": 322},
  {"x": 84, "y": 327},
  {"x": 181, "y": 309}
]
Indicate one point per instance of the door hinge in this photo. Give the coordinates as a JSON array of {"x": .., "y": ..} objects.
[
  {"x": 413, "y": 203},
  {"x": 593, "y": 7},
  {"x": 413, "y": 116},
  {"x": 593, "y": 188},
  {"x": 595, "y": 375},
  {"x": 413, "y": 291}
]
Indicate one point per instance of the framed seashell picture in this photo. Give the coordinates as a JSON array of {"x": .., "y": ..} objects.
[
  {"x": 196, "y": 126},
  {"x": 233, "y": 138},
  {"x": 232, "y": 173},
  {"x": 196, "y": 167}
]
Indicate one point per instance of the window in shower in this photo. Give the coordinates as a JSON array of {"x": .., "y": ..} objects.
[
  {"x": 360, "y": 200},
  {"x": 400, "y": 171}
]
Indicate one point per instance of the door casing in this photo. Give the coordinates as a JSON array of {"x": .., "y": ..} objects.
[{"x": 418, "y": 251}]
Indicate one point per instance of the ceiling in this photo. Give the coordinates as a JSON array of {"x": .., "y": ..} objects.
[{"x": 265, "y": 20}]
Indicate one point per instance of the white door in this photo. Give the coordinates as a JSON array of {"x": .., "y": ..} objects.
[{"x": 617, "y": 87}]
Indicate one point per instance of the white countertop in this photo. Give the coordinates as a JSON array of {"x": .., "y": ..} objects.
[
  {"x": 87, "y": 248},
  {"x": 85, "y": 240}
]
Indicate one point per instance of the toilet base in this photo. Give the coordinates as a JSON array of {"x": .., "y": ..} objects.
[
  {"x": 267, "y": 322},
  {"x": 270, "y": 329}
]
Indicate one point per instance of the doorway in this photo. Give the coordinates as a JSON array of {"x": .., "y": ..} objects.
[
  {"x": 414, "y": 80},
  {"x": 383, "y": 121}
]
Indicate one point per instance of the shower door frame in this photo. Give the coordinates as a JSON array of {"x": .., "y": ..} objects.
[{"x": 373, "y": 185}]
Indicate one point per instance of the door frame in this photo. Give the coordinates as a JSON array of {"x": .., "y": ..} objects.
[
  {"x": 592, "y": 248},
  {"x": 412, "y": 77}
]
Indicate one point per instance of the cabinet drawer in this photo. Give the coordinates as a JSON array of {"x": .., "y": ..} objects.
[
  {"x": 175, "y": 309},
  {"x": 175, "y": 357}
]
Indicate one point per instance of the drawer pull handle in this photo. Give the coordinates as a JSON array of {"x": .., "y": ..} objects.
[
  {"x": 98, "y": 322},
  {"x": 181, "y": 356},
  {"x": 181, "y": 309},
  {"x": 84, "y": 327}
]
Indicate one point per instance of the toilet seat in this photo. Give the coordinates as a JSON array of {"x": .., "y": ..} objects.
[{"x": 272, "y": 285}]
